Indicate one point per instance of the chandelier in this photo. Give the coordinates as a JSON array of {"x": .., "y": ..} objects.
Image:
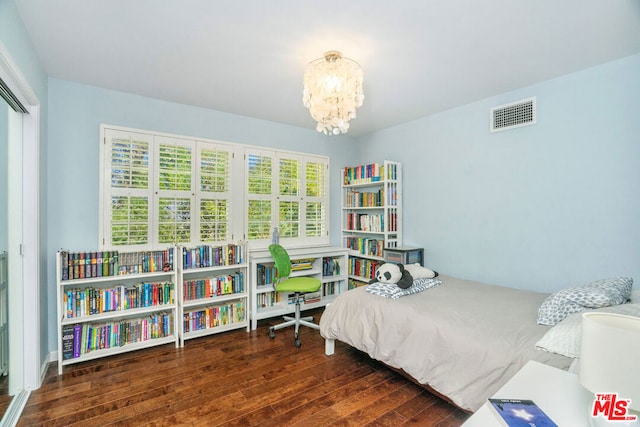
[{"x": 333, "y": 92}]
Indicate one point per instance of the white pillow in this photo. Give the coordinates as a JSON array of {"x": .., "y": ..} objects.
[{"x": 566, "y": 337}]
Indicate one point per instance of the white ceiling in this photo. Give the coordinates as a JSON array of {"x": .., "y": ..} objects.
[{"x": 248, "y": 56}]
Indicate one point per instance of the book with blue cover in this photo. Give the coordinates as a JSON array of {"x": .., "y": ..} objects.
[{"x": 520, "y": 413}]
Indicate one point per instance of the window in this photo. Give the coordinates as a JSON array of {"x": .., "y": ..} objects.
[
  {"x": 158, "y": 190},
  {"x": 161, "y": 190},
  {"x": 287, "y": 191}
]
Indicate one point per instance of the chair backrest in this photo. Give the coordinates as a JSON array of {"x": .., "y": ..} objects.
[{"x": 282, "y": 261}]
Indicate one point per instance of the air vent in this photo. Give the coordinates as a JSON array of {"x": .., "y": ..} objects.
[{"x": 514, "y": 115}]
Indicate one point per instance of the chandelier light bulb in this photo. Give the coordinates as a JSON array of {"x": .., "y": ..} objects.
[{"x": 333, "y": 92}]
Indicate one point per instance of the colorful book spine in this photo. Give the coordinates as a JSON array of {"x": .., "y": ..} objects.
[
  {"x": 212, "y": 256},
  {"x": 77, "y": 340}
]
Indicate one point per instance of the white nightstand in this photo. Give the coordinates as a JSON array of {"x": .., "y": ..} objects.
[{"x": 558, "y": 393}]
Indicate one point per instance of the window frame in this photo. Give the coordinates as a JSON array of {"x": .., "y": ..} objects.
[{"x": 237, "y": 194}]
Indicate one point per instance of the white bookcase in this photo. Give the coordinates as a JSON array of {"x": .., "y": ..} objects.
[
  {"x": 214, "y": 294},
  {"x": 371, "y": 216},
  {"x": 329, "y": 264},
  {"x": 130, "y": 304}
]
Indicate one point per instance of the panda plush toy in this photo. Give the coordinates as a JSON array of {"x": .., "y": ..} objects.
[{"x": 401, "y": 275}]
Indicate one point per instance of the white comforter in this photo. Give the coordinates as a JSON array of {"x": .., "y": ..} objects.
[{"x": 464, "y": 339}]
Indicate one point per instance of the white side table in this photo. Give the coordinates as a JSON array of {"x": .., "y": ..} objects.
[{"x": 558, "y": 393}]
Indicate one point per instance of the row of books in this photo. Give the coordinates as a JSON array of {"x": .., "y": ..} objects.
[
  {"x": 373, "y": 172},
  {"x": 265, "y": 274},
  {"x": 357, "y": 199},
  {"x": 331, "y": 288},
  {"x": 372, "y": 222},
  {"x": 211, "y": 317},
  {"x": 361, "y": 174},
  {"x": 267, "y": 299},
  {"x": 330, "y": 266},
  {"x": 308, "y": 298},
  {"x": 365, "y": 222},
  {"x": 392, "y": 196},
  {"x": 80, "y": 339},
  {"x": 85, "y": 265},
  {"x": 213, "y": 286},
  {"x": 363, "y": 267},
  {"x": 90, "y": 301},
  {"x": 302, "y": 264},
  {"x": 212, "y": 256},
  {"x": 365, "y": 245}
]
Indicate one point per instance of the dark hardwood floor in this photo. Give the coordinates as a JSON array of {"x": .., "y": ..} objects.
[
  {"x": 5, "y": 399},
  {"x": 236, "y": 378}
]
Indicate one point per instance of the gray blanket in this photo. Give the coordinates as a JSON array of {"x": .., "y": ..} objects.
[{"x": 462, "y": 338}]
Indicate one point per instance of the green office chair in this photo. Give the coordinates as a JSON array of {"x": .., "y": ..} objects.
[{"x": 296, "y": 285}]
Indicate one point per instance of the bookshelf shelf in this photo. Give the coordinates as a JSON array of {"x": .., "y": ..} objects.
[
  {"x": 213, "y": 299},
  {"x": 371, "y": 216},
  {"x": 108, "y": 314},
  {"x": 328, "y": 264},
  {"x": 97, "y": 354}
]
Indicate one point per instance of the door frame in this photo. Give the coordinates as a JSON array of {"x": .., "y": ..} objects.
[{"x": 24, "y": 309}]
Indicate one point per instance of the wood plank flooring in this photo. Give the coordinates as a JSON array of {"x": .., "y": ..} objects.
[{"x": 236, "y": 379}]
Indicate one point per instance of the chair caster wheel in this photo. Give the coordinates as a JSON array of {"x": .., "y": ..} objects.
[
  {"x": 272, "y": 333},
  {"x": 298, "y": 343}
]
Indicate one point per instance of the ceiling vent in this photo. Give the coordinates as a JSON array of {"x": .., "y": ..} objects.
[{"x": 514, "y": 115}]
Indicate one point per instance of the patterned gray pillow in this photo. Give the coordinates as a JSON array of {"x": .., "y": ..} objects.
[{"x": 601, "y": 293}]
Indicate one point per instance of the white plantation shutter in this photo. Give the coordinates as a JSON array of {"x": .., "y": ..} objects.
[
  {"x": 128, "y": 180},
  {"x": 289, "y": 180},
  {"x": 159, "y": 189},
  {"x": 174, "y": 184},
  {"x": 316, "y": 200},
  {"x": 288, "y": 191},
  {"x": 260, "y": 195},
  {"x": 214, "y": 195}
]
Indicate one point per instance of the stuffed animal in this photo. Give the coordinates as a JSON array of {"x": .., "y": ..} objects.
[
  {"x": 402, "y": 275},
  {"x": 418, "y": 272},
  {"x": 393, "y": 273}
]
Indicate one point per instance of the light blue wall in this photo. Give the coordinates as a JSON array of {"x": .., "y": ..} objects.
[
  {"x": 76, "y": 112},
  {"x": 4, "y": 151},
  {"x": 18, "y": 44},
  {"x": 540, "y": 207}
]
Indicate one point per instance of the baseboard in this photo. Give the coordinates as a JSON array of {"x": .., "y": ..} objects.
[
  {"x": 51, "y": 357},
  {"x": 12, "y": 415}
]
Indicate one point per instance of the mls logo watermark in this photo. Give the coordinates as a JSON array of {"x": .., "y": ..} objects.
[{"x": 611, "y": 408}]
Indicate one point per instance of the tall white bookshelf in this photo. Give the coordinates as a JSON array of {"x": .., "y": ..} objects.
[{"x": 371, "y": 216}]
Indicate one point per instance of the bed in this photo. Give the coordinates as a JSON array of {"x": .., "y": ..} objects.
[{"x": 461, "y": 339}]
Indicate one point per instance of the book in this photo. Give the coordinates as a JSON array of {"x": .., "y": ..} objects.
[
  {"x": 520, "y": 413},
  {"x": 67, "y": 342},
  {"x": 77, "y": 340}
]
